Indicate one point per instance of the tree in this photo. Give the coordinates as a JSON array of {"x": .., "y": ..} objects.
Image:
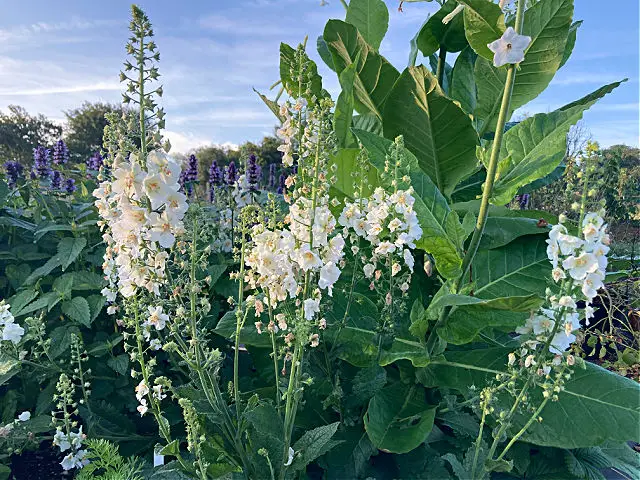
[
  {"x": 85, "y": 126},
  {"x": 21, "y": 132}
]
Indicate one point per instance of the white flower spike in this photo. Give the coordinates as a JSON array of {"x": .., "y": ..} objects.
[{"x": 509, "y": 48}]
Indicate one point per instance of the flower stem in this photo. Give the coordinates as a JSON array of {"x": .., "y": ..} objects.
[
  {"x": 442, "y": 62},
  {"x": 488, "y": 186}
]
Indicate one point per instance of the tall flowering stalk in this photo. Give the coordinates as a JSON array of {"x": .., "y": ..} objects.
[
  {"x": 293, "y": 266},
  {"x": 141, "y": 213}
]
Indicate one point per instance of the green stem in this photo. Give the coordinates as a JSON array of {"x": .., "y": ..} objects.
[
  {"x": 344, "y": 4},
  {"x": 488, "y": 186},
  {"x": 442, "y": 62},
  {"x": 143, "y": 133},
  {"x": 291, "y": 405}
]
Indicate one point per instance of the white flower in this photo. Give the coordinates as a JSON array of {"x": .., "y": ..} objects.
[
  {"x": 290, "y": 459},
  {"x": 162, "y": 229},
  {"x": 13, "y": 333},
  {"x": 542, "y": 324},
  {"x": 568, "y": 243},
  {"x": 408, "y": 259},
  {"x": 157, "y": 190},
  {"x": 141, "y": 390},
  {"x": 580, "y": 266},
  {"x": 311, "y": 307},
  {"x": 591, "y": 284},
  {"x": 509, "y": 48},
  {"x": 157, "y": 318},
  {"x": 24, "y": 416},
  {"x": 368, "y": 270},
  {"x": 558, "y": 274},
  {"x": 60, "y": 439},
  {"x": 395, "y": 269},
  {"x": 384, "y": 248},
  {"x": 307, "y": 258},
  {"x": 142, "y": 408},
  {"x": 567, "y": 301},
  {"x": 74, "y": 460},
  {"x": 329, "y": 274}
]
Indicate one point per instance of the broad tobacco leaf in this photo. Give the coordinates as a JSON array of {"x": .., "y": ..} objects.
[
  {"x": 371, "y": 18},
  {"x": 435, "y": 34},
  {"x": 483, "y": 23},
  {"x": 435, "y": 129},
  {"x": 398, "y": 418},
  {"x": 547, "y": 23},
  {"x": 596, "y": 405},
  {"x": 375, "y": 76},
  {"x": 535, "y": 147}
]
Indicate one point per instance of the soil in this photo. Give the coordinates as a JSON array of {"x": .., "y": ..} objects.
[{"x": 40, "y": 464}]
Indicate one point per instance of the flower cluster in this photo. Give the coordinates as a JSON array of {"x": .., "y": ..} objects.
[
  {"x": 14, "y": 172},
  {"x": 9, "y": 330},
  {"x": 60, "y": 153},
  {"x": 189, "y": 176},
  {"x": 95, "y": 162},
  {"x": 41, "y": 168},
  {"x": 142, "y": 212},
  {"x": 69, "y": 436},
  {"x": 389, "y": 223},
  {"x": 143, "y": 390},
  {"x": 253, "y": 173},
  {"x": 579, "y": 265},
  {"x": 304, "y": 258}
]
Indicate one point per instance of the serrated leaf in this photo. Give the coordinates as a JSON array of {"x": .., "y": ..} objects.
[
  {"x": 119, "y": 363},
  {"x": 313, "y": 444},
  {"x": 78, "y": 310},
  {"x": 371, "y": 18},
  {"x": 68, "y": 250},
  {"x": 20, "y": 300},
  {"x": 435, "y": 129}
]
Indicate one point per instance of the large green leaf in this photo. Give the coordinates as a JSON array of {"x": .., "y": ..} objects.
[
  {"x": 499, "y": 231},
  {"x": 463, "y": 83},
  {"x": 517, "y": 269},
  {"x": 439, "y": 224},
  {"x": 435, "y": 34},
  {"x": 375, "y": 76},
  {"x": 595, "y": 406},
  {"x": 435, "y": 129},
  {"x": 547, "y": 23},
  {"x": 371, "y": 18},
  {"x": 345, "y": 163},
  {"x": 571, "y": 41},
  {"x": 287, "y": 62},
  {"x": 472, "y": 315},
  {"x": 313, "y": 444},
  {"x": 535, "y": 147},
  {"x": 343, "y": 113},
  {"x": 483, "y": 23},
  {"x": 398, "y": 418},
  {"x": 248, "y": 335}
]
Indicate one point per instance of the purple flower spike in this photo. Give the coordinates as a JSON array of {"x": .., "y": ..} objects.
[
  {"x": 95, "y": 162},
  {"x": 231, "y": 173},
  {"x": 70, "y": 186},
  {"x": 14, "y": 172},
  {"x": 60, "y": 153},
  {"x": 281, "y": 184},
  {"x": 254, "y": 172},
  {"x": 41, "y": 167},
  {"x": 272, "y": 176},
  {"x": 56, "y": 180}
]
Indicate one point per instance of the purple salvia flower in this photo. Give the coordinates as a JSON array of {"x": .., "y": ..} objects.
[
  {"x": 41, "y": 167},
  {"x": 60, "y": 153},
  {"x": 56, "y": 180},
  {"x": 254, "y": 172},
  {"x": 70, "y": 185},
  {"x": 272, "y": 176},
  {"x": 281, "y": 184},
  {"x": 191, "y": 174},
  {"x": 215, "y": 174},
  {"x": 95, "y": 162},
  {"x": 231, "y": 173},
  {"x": 14, "y": 172},
  {"x": 524, "y": 201}
]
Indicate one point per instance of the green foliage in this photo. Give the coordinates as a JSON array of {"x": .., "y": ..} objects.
[
  {"x": 106, "y": 463},
  {"x": 371, "y": 18}
]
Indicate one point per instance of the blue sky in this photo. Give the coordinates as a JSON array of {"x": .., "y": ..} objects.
[{"x": 55, "y": 55}]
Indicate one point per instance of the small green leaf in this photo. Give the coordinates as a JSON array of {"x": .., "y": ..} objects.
[
  {"x": 69, "y": 248},
  {"x": 119, "y": 364},
  {"x": 313, "y": 444}
]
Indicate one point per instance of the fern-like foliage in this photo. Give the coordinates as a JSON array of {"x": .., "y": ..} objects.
[{"x": 106, "y": 463}]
